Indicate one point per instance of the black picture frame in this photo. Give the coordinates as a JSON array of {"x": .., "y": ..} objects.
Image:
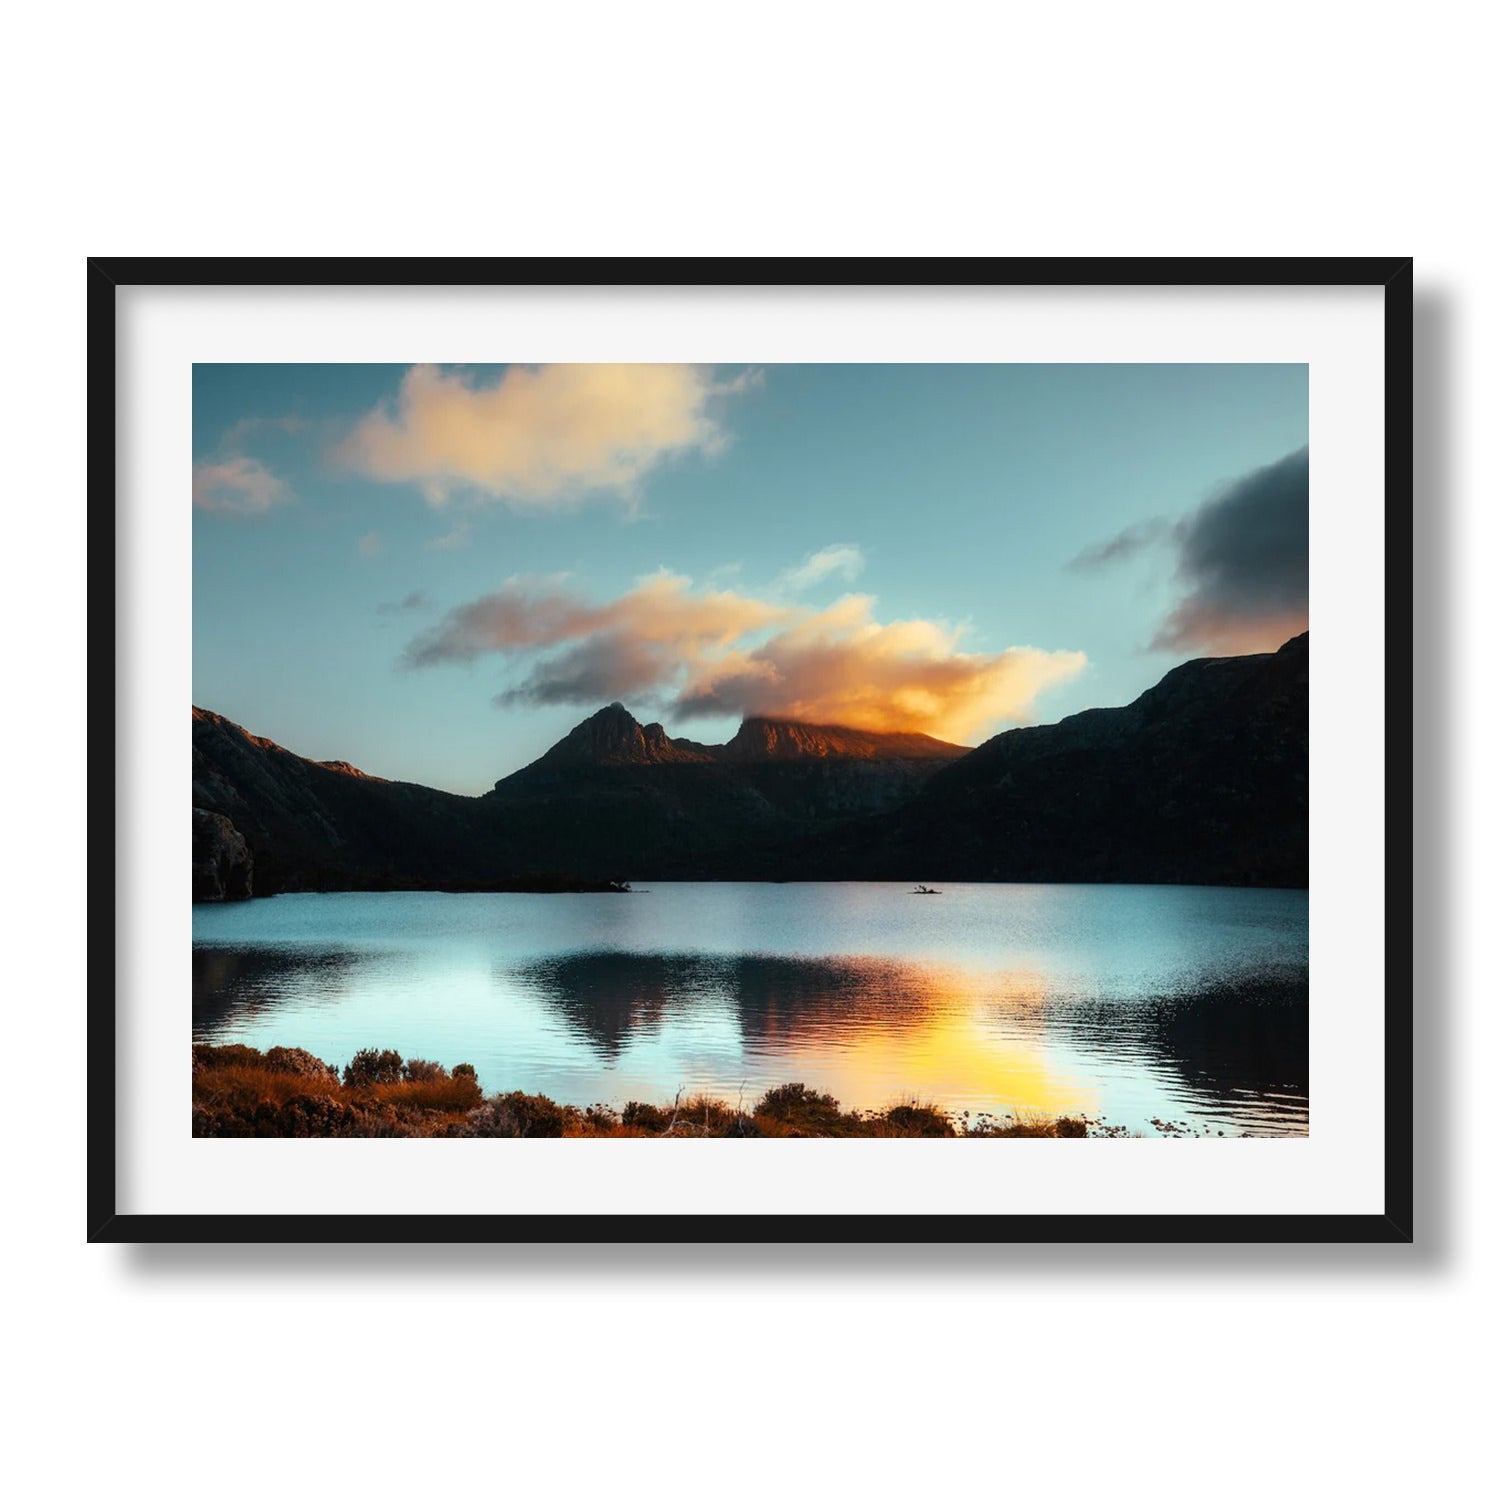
[{"x": 1393, "y": 1225}]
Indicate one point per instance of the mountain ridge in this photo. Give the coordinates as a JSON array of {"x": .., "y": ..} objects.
[
  {"x": 1202, "y": 779},
  {"x": 613, "y": 736}
]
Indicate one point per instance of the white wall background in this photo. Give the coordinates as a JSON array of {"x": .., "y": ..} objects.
[{"x": 688, "y": 129}]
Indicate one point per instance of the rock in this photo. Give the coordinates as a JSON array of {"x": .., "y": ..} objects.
[{"x": 221, "y": 859}]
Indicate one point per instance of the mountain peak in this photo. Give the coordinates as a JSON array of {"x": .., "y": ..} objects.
[
  {"x": 614, "y": 737},
  {"x": 787, "y": 739}
]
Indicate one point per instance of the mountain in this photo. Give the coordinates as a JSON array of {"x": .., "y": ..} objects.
[
  {"x": 311, "y": 825},
  {"x": 615, "y": 794},
  {"x": 612, "y": 737},
  {"x": 613, "y": 799},
  {"x": 783, "y": 740},
  {"x": 1203, "y": 779}
]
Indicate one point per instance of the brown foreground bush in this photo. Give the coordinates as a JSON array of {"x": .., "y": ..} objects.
[{"x": 238, "y": 1091}]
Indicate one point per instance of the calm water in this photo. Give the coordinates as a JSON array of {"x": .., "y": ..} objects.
[{"x": 1185, "y": 1004}]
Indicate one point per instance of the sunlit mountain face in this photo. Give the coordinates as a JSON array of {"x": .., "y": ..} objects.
[{"x": 614, "y": 737}]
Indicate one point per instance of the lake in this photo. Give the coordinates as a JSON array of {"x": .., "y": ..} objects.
[{"x": 1132, "y": 1004}]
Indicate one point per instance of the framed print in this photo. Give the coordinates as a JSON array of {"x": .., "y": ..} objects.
[{"x": 752, "y": 750}]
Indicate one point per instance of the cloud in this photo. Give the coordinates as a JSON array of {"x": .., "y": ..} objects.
[
  {"x": 413, "y": 603},
  {"x": 1126, "y": 544},
  {"x": 600, "y": 668},
  {"x": 237, "y": 486},
  {"x": 704, "y": 652},
  {"x": 662, "y": 612},
  {"x": 840, "y": 666},
  {"x": 1243, "y": 557},
  {"x": 842, "y": 560},
  {"x": 238, "y": 434},
  {"x": 455, "y": 537},
  {"x": 540, "y": 436}
]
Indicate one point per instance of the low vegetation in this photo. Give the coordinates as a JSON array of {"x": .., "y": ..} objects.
[{"x": 239, "y": 1091}]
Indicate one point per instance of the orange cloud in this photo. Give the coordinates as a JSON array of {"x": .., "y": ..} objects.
[
  {"x": 661, "y": 611},
  {"x": 706, "y": 652},
  {"x": 540, "y": 435},
  {"x": 840, "y": 666}
]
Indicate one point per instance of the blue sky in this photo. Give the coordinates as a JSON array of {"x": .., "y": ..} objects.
[{"x": 435, "y": 573}]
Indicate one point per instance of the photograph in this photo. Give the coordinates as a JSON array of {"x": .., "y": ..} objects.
[{"x": 751, "y": 751}]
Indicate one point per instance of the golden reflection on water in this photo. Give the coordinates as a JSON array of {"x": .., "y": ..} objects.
[
  {"x": 958, "y": 1034},
  {"x": 947, "y": 1058}
]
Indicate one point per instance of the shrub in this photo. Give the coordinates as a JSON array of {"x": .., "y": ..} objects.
[
  {"x": 796, "y": 1104},
  {"x": 368, "y": 1067},
  {"x": 465, "y": 1070},
  {"x": 440, "y": 1093},
  {"x": 419, "y": 1070},
  {"x": 208, "y": 1058},
  {"x": 788, "y": 1099},
  {"x": 517, "y": 1114},
  {"x": 299, "y": 1063},
  {"x": 1068, "y": 1129},
  {"x": 308, "y": 1115},
  {"x": 643, "y": 1116},
  {"x": 917, "y": 1119}
]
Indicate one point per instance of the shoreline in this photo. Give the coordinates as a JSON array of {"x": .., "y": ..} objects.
[
  {"x": 286, "y": 1092},
  {"x": 567, "y": 887}
]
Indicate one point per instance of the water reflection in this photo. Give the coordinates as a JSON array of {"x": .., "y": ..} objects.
[
  {"x": 1132, "y": 1003},
  {"x": 609, "y": 998},
  {"x": 873, "y": 1030},
  {"x": 869, "y": 1030},
  {"x": 232, "y": 986}
]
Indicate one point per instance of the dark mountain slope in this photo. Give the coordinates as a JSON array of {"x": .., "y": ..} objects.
[
  {"x": 317, "y": 826},
  {"x": 612, "y": 800},
  {"x": 1202, "y": 780},
  {"x": 615, "y": 795}
]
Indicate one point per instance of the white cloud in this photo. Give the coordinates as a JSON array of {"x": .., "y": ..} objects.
[
  {"x": 540, "y": 436},
  {"x": 842, "y": 560}
]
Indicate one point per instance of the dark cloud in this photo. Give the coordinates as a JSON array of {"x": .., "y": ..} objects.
[
  {"x": 1243, "y": 558},
  {"x": 599, "y": 668},
  {"x": 524, "y": 614},
  {"x": 1130, "y": 541}
]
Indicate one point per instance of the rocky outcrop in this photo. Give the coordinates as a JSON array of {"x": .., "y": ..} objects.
[
  {"x": 222, "y": 866},
  {"x": 613, "y": 737},
  {"x": 781, "y": 740}
]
